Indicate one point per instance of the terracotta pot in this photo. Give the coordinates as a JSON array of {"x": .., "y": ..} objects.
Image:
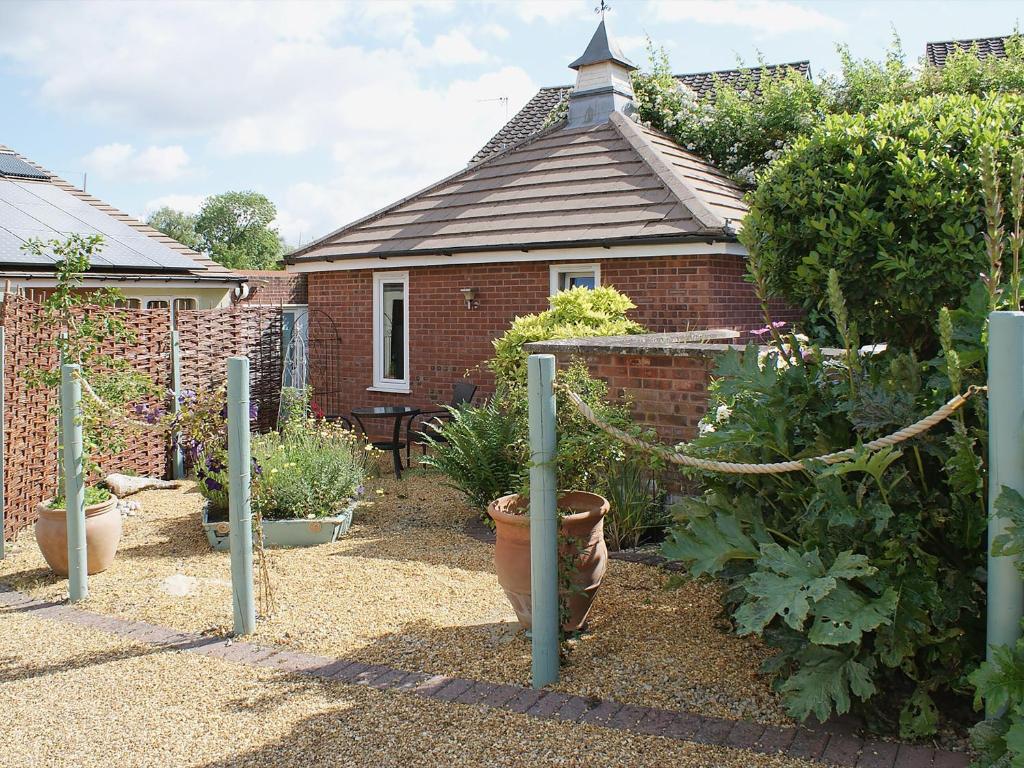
[
  {"x": 584, "y": 526},
  {"x": 102, "y": 534}
]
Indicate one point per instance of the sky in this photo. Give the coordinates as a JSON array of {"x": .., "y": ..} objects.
[{"x": 334, "y": 110}]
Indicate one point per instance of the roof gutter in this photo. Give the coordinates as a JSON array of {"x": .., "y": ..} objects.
[
  {"x": 716, "y": 236},
  {"x": 94, "y": 278}
]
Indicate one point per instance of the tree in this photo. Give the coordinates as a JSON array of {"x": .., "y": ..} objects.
[
  {"x": 233, "y": 228},
  {"x": 177, "y": 225},
  {"x": 744, "y": 126}
]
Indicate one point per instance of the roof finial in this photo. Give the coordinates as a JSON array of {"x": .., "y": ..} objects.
[{"x": 602, "y": 8}]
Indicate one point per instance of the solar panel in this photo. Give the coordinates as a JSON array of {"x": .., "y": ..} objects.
[
  {"x": 11, "y": 165},
  {"x": 49, "y": 213}
]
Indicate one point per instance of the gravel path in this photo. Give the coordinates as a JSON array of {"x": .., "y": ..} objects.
[
  {"x": 72, "y": 696},
  {"x": 406, "y": 587}
]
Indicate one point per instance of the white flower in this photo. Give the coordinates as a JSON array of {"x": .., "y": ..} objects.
[
  {"x": 706, "y": 428},
  {"x": 722, "y": 413}
]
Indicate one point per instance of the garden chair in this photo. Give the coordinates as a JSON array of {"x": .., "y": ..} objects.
[{"x": 419, "y": 428}]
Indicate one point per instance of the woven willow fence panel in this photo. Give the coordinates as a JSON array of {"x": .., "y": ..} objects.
[
  {"x": 209, "y": 337},
  {"x": 30, "y": 420}
]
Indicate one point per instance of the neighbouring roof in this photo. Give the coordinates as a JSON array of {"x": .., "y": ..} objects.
[
  {"x": 609, "y": 184},
  {"x": 530, "y": 118},
  {"x": 937, "y": 53},
  {"x": 43, "y": 206}
]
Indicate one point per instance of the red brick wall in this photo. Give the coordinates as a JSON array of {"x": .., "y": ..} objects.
[
  {"x": 672, "y": 293},
  {"x": 275, "y": 287},
  {"x": 668, "y": 393}
]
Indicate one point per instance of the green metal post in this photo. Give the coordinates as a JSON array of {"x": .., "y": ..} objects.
[
  {"x": 177, "y": 459},
  {"x": 543, "y": 519},
  {"x": 239, "y": 498},
  {"x": 3, "y": 447},
  {"x": 1006, "y": 468},
  {"x": 74, "y": 481}
]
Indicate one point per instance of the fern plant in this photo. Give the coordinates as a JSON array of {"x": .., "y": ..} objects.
[{"x": 476, "y": 450}]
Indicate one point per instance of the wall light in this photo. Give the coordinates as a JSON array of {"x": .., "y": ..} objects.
[{"x": 469, "y": 294}]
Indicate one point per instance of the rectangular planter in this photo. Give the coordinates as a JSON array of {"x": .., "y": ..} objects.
[{"x": 284, "y": 533}]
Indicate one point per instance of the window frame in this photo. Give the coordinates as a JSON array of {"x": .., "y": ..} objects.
[
  {"x": 557, "y": 270},
  {"x": 381, "y": 384}
]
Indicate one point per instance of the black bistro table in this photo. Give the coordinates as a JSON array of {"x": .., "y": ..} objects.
[{"x": 396, "y": 412}]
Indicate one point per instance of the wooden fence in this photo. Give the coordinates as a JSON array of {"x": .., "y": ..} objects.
[{"x": 207, "y": 339}]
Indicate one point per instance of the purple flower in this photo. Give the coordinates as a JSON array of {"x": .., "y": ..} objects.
[
  {"x": 769, "y": 328},
  {"x": 213, "y": 485},
  {"x": 360, "y": 490}
]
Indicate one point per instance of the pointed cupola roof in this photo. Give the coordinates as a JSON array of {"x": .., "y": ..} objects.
[{"x": 602, "y": 49}]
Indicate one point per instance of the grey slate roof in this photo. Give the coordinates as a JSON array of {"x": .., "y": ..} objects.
[
  {"x": 530, "y": 118},
  {"x": 614, "y": 183},
  {"x": 937, "y": 53},
  {"x": 601, "y": 49},
  {"x": 49, "y": 208}
]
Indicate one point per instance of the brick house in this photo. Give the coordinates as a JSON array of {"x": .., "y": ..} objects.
[{"x": 417, "y": 291}]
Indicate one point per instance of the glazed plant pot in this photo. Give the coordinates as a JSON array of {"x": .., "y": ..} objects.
[
  {"x": 102, "y": 535},
  {"x": 582, "y": 536}
]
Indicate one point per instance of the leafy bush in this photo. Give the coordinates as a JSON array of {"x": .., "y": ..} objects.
[
  {"x": 745, "y": 125},
  {"x": 479, "y": 452},
  {"x": 310, "y": 469},
  {"x": 636, "y": 506},
  {"x": 485, "y": 451},
  {"x": 891, "y": 202},
  {"x": 864, "y": 575},
  {"x": 574, "y": 313}
]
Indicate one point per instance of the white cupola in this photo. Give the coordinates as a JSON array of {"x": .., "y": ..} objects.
[{"x": 603, "y": 84}]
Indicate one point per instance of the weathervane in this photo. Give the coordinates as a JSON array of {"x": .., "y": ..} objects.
[{"x": 602, "y": 8}]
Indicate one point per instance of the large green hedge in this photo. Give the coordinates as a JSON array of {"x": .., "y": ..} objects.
[{"x": 892, "y": 202}]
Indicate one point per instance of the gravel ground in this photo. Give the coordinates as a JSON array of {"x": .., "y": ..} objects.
[
  {"x": 72, "y": 696},
  {"x": 406, "y": 587}
]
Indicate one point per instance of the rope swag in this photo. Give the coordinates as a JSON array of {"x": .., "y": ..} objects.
[{"x": 738, "y": 468}]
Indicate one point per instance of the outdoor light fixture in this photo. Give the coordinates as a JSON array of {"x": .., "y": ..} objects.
[{"x": 469, "y": 294}]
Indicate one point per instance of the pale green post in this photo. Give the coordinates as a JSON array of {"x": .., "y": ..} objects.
[
  {"x": 74, "y": 481},
  {"x": 3, "y": 448},
  {"x": 177, "y": 459},
  {"x": 1006, "y": 468},
  {"x": 543, "y": 519},
  {"x": 239, "y": 498}
]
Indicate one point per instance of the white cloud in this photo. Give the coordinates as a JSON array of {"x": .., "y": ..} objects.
[
  {"x": 367, "y": 110},
  {"x": 496, "y": 31},
  {"x": 765, "y": 17},
  {"x": 184, "y": 203},
  {"x": 125, "y": 163},
  {"x": 550, "y": 11}
]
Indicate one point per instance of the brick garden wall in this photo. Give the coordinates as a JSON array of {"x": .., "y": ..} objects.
[
  {"x": 672, "y": 293},
  {"x": 275, "y": 287}
]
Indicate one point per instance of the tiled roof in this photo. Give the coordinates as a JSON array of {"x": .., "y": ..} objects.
[
  {"x": 603, "y": 185},
  {"x": 205, "y": 266},
  {"x": 530, "y": 118},
  {"x": 936, "y": 53}
]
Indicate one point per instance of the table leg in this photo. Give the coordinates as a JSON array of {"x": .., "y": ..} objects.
[{"x": 396, "y": 451}]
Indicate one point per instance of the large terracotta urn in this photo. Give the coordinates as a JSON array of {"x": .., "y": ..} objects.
[
  {"x": 102, "y": 535},
  {"x": 582, "y": 539}
]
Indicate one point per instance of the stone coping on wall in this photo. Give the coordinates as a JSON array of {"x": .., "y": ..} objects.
[{"x": 674, "y": 344}]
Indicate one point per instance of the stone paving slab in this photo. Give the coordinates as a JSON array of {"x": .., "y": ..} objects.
[{"x": 837, "y": 746}]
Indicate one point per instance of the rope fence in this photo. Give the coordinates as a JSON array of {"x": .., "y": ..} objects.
[{"x": 740, "y": 468}]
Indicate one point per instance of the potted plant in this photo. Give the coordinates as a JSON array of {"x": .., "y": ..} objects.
[
  {"x": 82, "y": 325},
  {"x": 306, "y": 479},
  {"x": 582, "y": 553}
]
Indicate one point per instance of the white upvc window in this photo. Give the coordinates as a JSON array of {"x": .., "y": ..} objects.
[
  {"x": 566, "y": 276},
  {"x": 391, "y": 331}
]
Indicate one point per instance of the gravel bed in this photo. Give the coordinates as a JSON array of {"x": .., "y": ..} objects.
[
  {"x": 408, "y": 588},
  {"x": 72, "y": 696}
]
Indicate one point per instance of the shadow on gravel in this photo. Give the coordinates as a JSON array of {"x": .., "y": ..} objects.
[{"x": 13, "y": 669}]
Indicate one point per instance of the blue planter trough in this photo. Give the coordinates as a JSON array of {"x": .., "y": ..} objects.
[{"x": 283, "y": 533}]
